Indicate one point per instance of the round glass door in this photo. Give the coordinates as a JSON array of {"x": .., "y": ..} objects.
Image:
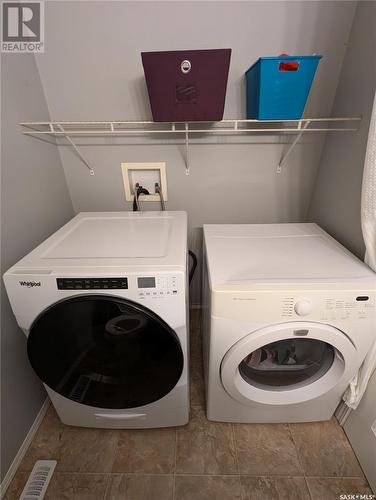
[
  {"x": 287, "y": 363},
  {"x": 105, "y": 352}
]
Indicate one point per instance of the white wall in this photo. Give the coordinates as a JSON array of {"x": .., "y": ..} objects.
[
  {"x": 92, "y": 70},
  {"x": 34, "y": 203},
  {"x": 336, "y": 198},
  {"x": 360, "y": 428}
]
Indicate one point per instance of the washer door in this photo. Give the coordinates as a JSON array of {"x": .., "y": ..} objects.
[
  {"x": 287, "y": 363},
  {"x": 105, "y": 351}
]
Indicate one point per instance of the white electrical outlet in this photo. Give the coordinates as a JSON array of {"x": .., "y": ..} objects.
[{"x": 146, "y": 174}]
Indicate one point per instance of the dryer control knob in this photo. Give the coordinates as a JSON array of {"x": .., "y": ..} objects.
[{"x": 303, "y": 307}]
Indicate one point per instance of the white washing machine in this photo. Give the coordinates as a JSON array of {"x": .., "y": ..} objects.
[
  {"x": 289, "y": 315},
  {"x": 104, "y": 304}
]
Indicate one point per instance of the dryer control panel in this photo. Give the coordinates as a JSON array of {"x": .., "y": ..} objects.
[
  {"x": 328, "y": 308},
  {"x": 266, "y": 305}
]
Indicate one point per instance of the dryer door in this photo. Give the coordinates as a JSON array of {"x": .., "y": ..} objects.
[
  {"x": 287, "y": 363},
  {"x": 105, "y": 352}
]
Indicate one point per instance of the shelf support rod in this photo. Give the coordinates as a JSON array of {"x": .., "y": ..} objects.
[
  {"x": 292, "y": 145},
  {"x": 74, "y": 146},
  {"x": 186, "y": 150}
]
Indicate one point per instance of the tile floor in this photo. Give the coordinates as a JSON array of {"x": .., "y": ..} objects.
[{"x": 200, "y": 461}]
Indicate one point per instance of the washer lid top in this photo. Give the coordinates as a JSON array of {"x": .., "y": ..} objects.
[
  {"x": 262, "y": 253},
  {"x": 118, "y": 236},
  {"x": 114, "y": 239}
]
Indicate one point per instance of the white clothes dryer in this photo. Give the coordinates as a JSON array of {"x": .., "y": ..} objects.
[
  {"x": 289, "y": 315},
  {"x": 104, "y": 304}
]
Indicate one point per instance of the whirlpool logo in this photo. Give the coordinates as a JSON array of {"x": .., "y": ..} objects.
[{"x": 29, "y": 284}]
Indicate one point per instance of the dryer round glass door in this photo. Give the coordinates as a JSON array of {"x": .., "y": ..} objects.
[
  {"x": 287, "y": 363},
  {"x": 105, "y": 352}
]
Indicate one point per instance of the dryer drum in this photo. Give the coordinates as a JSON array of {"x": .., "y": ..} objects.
[
  {"x": 287, "y": 362},
  {"x": 84, "y": 350}
]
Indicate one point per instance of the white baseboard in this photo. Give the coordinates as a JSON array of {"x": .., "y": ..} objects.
[
  {"x": 23, "y": 448},
  {"x": 342, "y": 413}
]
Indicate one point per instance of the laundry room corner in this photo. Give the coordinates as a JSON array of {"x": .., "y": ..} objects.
[
  {"x": 34, "y": 202},
  {"x": 336, "y": 197}
]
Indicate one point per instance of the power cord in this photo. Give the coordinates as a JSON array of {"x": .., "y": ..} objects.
[
  {"x": 136, "y": 208},
  {"x": 194, "y": 265}
]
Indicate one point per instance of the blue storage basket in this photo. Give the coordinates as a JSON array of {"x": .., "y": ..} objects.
[{"x": 276, "y": 94}]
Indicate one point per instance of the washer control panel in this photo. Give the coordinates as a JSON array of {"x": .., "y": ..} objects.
[
  {"x": 91, "y": 283},
  {"x": 142, "y": 286},
  {"x": 159, "y": 286}
]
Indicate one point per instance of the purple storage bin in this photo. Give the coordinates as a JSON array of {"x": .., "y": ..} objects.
[{"x": 187, "y": 85}]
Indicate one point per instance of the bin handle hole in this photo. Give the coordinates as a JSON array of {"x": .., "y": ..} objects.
[{"x": 288, "y": 66}]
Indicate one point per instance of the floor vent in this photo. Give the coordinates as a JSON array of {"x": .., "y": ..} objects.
[{"x": 38, "y": 481}]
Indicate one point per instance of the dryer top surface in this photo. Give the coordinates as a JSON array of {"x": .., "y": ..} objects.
[{"x": 279, "y": 253}]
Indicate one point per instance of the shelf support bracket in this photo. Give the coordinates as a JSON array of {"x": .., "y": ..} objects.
[
  {"x": 292, "y": 145},
  {"x": 186, "y": 150},
  {"x": 74, "y": 146}
]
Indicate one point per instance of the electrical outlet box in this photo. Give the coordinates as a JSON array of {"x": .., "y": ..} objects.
[{"x": 146, "y": 174}]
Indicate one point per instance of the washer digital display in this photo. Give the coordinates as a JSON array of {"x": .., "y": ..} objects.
[{"x": 146, "y": 282}]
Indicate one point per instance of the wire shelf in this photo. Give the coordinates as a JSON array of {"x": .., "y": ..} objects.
[{"x": 189, "y": 130}]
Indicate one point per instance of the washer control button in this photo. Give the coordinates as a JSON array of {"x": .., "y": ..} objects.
[{"x": 303, "y": 307}]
